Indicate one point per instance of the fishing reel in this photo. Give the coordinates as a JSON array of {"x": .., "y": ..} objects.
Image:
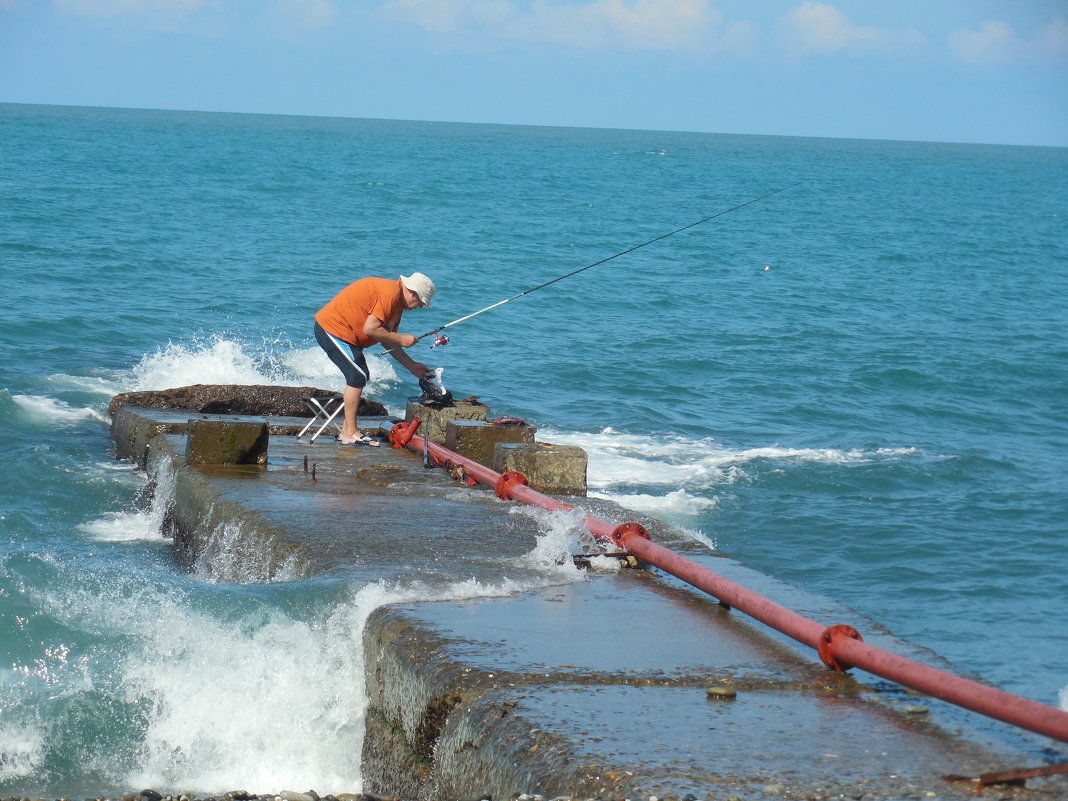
[{"x": 440, "y": 341}]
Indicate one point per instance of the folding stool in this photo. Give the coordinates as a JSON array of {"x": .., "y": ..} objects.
[{"x": 324, "y": 414}]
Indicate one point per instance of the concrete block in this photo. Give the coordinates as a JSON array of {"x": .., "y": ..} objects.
[
  {"x": 475, "y": 439},
  {"x": 226, "y": 442},
  {"x": 132, "y": 429},
  {"x": 434, "y": 420},
  {"x": 551, "y": 469}
]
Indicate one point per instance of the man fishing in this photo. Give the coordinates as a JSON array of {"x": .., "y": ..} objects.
[{"x": 365, "y": 313}]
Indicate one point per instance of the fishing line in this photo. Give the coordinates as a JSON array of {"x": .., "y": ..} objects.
[{"x": 444, "y": 339}]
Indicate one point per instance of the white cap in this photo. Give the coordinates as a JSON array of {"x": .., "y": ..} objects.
[{"x": 420, "y": 285}]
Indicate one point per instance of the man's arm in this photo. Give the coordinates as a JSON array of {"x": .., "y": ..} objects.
[{"x": 395, "y": 342}]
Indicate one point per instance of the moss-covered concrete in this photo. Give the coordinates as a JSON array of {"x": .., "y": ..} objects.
[
  {"x": 550, "y": 469},
  {"x": 433, "y": 421},
  {"x": 476, "y": 439},
  {"x": 226, "y": 442}
]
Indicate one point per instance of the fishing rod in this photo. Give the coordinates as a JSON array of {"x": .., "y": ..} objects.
[{"x": 443, "y": 340}]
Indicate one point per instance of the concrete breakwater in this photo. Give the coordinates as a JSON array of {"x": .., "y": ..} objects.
[{"x": 624, "y": 685}]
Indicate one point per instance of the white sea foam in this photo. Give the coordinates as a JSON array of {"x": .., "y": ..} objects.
[
  {"x": 254, "y": 697},
  {"x": 118, "y": 467},
  {"x": 251, "y": 697},
  {"x": 617, "y": 458},
  {"x": 824, "y": 455},
  {"x": 635, "y": 470},
  {"x": 123, "y": 527},
  {"x": 218, "y": 361},
  {"x": 1063, "y": 697},
  {"x": 85, "y": 383},
  {"x": 261, "y": 703},
  {"x": 136, "y": 525},
  {"x": 564, "y": 534},
  {"x": 223, "y": 360},
  {"x": 308, "y": 364},
  {"x": 231, "y": 554},
  {"x": 679, "y": 502},
  {"x": 700, "y": 538},
  {"x": 311, "y": 365},
  {"x": 55, "y": 412},
  {"x": 561, "y": 535},
  {"x": 628, "y": 459},
  {"x": 22, "y": 748}
]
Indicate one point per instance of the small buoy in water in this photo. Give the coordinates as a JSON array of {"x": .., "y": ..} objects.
[
  {"x": 767, "y": 267},
  {"x": 721, "y": 693}
]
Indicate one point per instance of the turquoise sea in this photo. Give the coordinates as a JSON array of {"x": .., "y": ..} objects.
[{"x": 858, "y": 386}]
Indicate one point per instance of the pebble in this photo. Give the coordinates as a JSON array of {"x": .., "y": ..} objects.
[{"x": 721, "y": 693}]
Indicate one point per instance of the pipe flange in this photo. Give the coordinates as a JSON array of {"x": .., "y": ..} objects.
[
  {"x": 509, "y": 479},
  {"x": 627, "y": 528},
  {"x": 829, "y": 638},
  {"x": 401, "y": 433}
]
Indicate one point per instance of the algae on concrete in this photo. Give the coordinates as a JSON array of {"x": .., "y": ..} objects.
[
  {"x": 433, "y": 421},
  {"x": 475, "y": 439},
  {"x": 226, "y": 442},
  {"x": 549, "y": 469}
]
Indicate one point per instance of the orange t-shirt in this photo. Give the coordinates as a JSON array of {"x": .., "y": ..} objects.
[{"x": 345, "y": 315}]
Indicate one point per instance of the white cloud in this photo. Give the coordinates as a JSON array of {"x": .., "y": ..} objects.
[
  {"x": 1054, "y": 37},
  {"x": 303, "y": 15},
  {"x": 997, "y": 42},
  {"x": 123, "y": 8},
  {"x": 643, "y": 24},
  {"x": 600, "y": 24},
  {"x": 445, "y": 16},
  {"x": 820, "y": 28}
]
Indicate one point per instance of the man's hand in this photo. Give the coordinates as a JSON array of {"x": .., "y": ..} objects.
[
  {"x": 419, "y": 370},
  {"x": 406, "y": 340}
]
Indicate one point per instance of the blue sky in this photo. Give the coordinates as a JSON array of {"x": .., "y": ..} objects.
[{"x": 978, "y": 71}]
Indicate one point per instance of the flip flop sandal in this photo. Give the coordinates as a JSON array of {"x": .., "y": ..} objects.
[{"x": 362, "y": 441}]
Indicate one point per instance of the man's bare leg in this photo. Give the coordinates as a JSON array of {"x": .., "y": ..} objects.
[{"x": 349, "y": 431}]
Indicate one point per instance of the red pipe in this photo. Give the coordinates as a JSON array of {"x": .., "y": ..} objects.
[
  {"x": 840, "y": 647},
  {"x": 851, "y": 651},
  {"x": 787, "y": 621},
  {"x": 981, "y": 698}
]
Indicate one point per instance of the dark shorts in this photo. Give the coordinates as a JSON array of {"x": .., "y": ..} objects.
[{"x": 348, "y": 357}]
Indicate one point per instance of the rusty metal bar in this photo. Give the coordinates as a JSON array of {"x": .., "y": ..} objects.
[
  {"x": 840, "y": 647},
  {"x": 1021, "y": 774},
  {"x": 1017, "y": 776}
]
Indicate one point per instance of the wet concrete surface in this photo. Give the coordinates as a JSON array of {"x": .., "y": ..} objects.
[
  {"x": 370, "y": 514},
  {"x": 585, "y": 687},
  {"x": 600, "y": 688}
]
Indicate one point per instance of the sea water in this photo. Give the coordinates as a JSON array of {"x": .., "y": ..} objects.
[{"x": 858, "y": 385}]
